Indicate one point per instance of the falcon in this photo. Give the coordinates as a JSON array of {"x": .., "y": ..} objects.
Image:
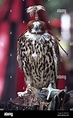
[{"x": 38, "y": 55}]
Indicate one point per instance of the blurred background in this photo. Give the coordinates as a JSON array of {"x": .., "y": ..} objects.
[{"x": 13, "y": 21}]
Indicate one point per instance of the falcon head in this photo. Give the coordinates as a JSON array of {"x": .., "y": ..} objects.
[{"x": 36, "y": 27}]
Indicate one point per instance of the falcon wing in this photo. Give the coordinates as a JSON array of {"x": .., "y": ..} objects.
[
  {"x": 19, "y": 47},
  {"x": 56, "y": 57}
]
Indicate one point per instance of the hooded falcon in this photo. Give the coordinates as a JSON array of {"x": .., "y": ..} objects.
[{"x": 38, "y": 54}]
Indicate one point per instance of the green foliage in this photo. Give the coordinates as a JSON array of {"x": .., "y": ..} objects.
[
  {"x": 53, "y": 5},
  {"x": 1, "y": 2}
]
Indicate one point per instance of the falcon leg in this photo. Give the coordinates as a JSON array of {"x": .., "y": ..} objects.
[
  {"x": 28, "y": 89},
  {"x": 21, "y": 94}
]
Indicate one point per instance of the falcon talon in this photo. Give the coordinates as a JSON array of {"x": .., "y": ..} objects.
[
  {"x": 29, "y": 91},
  {"x": 21, "y": 94}
]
